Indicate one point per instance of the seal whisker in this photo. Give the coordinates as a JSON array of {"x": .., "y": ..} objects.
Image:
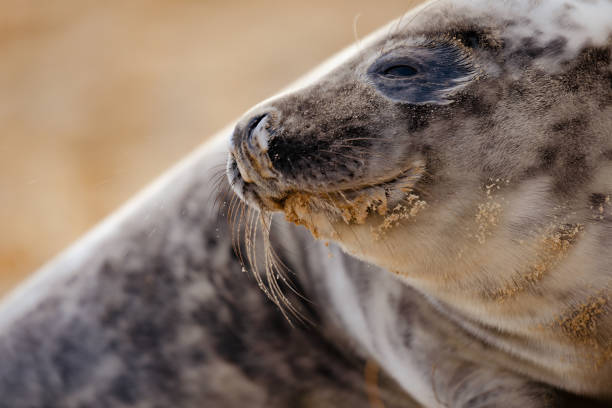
[
  {"x": 377, "y": 139},
  {"x": 231, "y": 206},
  {"x": 250, "y": 246},
  {"x": 342, "y": 154},
  {"x": 274, "y": 261},
  {"x": 270, "y": 287},
  {"x": 235, "y": 234},
  {"x": 222, "y": 199},
  {"x": 237, "y": 226},
  {"x": 240, "y": 229},
  {"x": 353, "y": 148},
  {"x": 217, "y": 180},
  {"x": 252, "y": 223},
  {"x": 365, "y": 153}
]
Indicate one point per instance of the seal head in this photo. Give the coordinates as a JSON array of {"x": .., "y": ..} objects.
[{"x": 468, "y": 151}]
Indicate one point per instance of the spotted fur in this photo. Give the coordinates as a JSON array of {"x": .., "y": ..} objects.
[{"x": 154, "y": 309}]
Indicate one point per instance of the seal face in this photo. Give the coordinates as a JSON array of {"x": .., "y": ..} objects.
[{"x": 468, "y": 152}]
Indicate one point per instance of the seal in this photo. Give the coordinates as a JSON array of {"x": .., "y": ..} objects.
[
  {"x": 393, "y": 164},
  {"x": 469, "y": 153}
]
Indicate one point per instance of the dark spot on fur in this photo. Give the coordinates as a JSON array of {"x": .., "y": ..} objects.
[
  {"x": 529, "y": 50},
  {"x": 143, "y": 320},
  {"x": 146, "y": 335},
  {"x": 72, "y": 356},
  {"x": 571, "y": 165},
  {"x": 548, "y": 156},
  {"x": 474, "y": 37},
  {"x": 556, "y": 47},
  {"x": 226, "y": 335},
  {"x": 573, "y": 125},
  {"x": 474, "y": 104},
  {"x": 597, "y": 199},
  {"x": 197, "y": 356},
  {"x": 471, "y": 38},
  {"x": 124, "y": 390},
  {"x": 211, "y": 242},
  {"x": 598, "y": 55},
  {"x": 111, "y": 316},
  {"x": 588, "y": 72},
  {"x": 576, "y": 166},
  {"x": 106, "y": 270},
  {"x": 417, "y": 117}
]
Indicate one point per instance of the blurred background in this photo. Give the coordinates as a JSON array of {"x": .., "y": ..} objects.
[{"x": 97, "y": 98}]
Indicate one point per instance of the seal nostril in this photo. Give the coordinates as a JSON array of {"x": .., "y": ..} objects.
[
  {"x": 253, "y": 123},
  {"x": 251, "y": 150}
]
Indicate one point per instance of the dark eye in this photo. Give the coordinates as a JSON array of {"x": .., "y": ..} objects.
[
  {"x": 400, "y": 71},
  {"x": 422, "y": 74}
]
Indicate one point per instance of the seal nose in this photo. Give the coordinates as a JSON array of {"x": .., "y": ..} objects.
[
  {"x": 249, "y": 146},
  {"x": 257, "y": 133}
]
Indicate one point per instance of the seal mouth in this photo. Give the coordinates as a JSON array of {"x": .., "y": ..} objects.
[
  {"x": 351, "y": 205},
  {"x": 393, "y": 186}
]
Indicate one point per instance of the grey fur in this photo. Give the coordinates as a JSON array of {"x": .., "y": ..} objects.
[{"x": 153, "y": 309}]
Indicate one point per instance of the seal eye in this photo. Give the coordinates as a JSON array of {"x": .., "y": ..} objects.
[
  {"x": 400, "y": 71},
  {"x": 429, "y": 73}
]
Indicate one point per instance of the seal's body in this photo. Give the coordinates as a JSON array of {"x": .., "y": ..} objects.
[{"x": 454, "y": 152}]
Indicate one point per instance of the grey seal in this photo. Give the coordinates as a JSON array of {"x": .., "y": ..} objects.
[{"x": 153, "y": 308}]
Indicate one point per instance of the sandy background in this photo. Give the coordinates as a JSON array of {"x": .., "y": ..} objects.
[{"x": 97, "y": 98}]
